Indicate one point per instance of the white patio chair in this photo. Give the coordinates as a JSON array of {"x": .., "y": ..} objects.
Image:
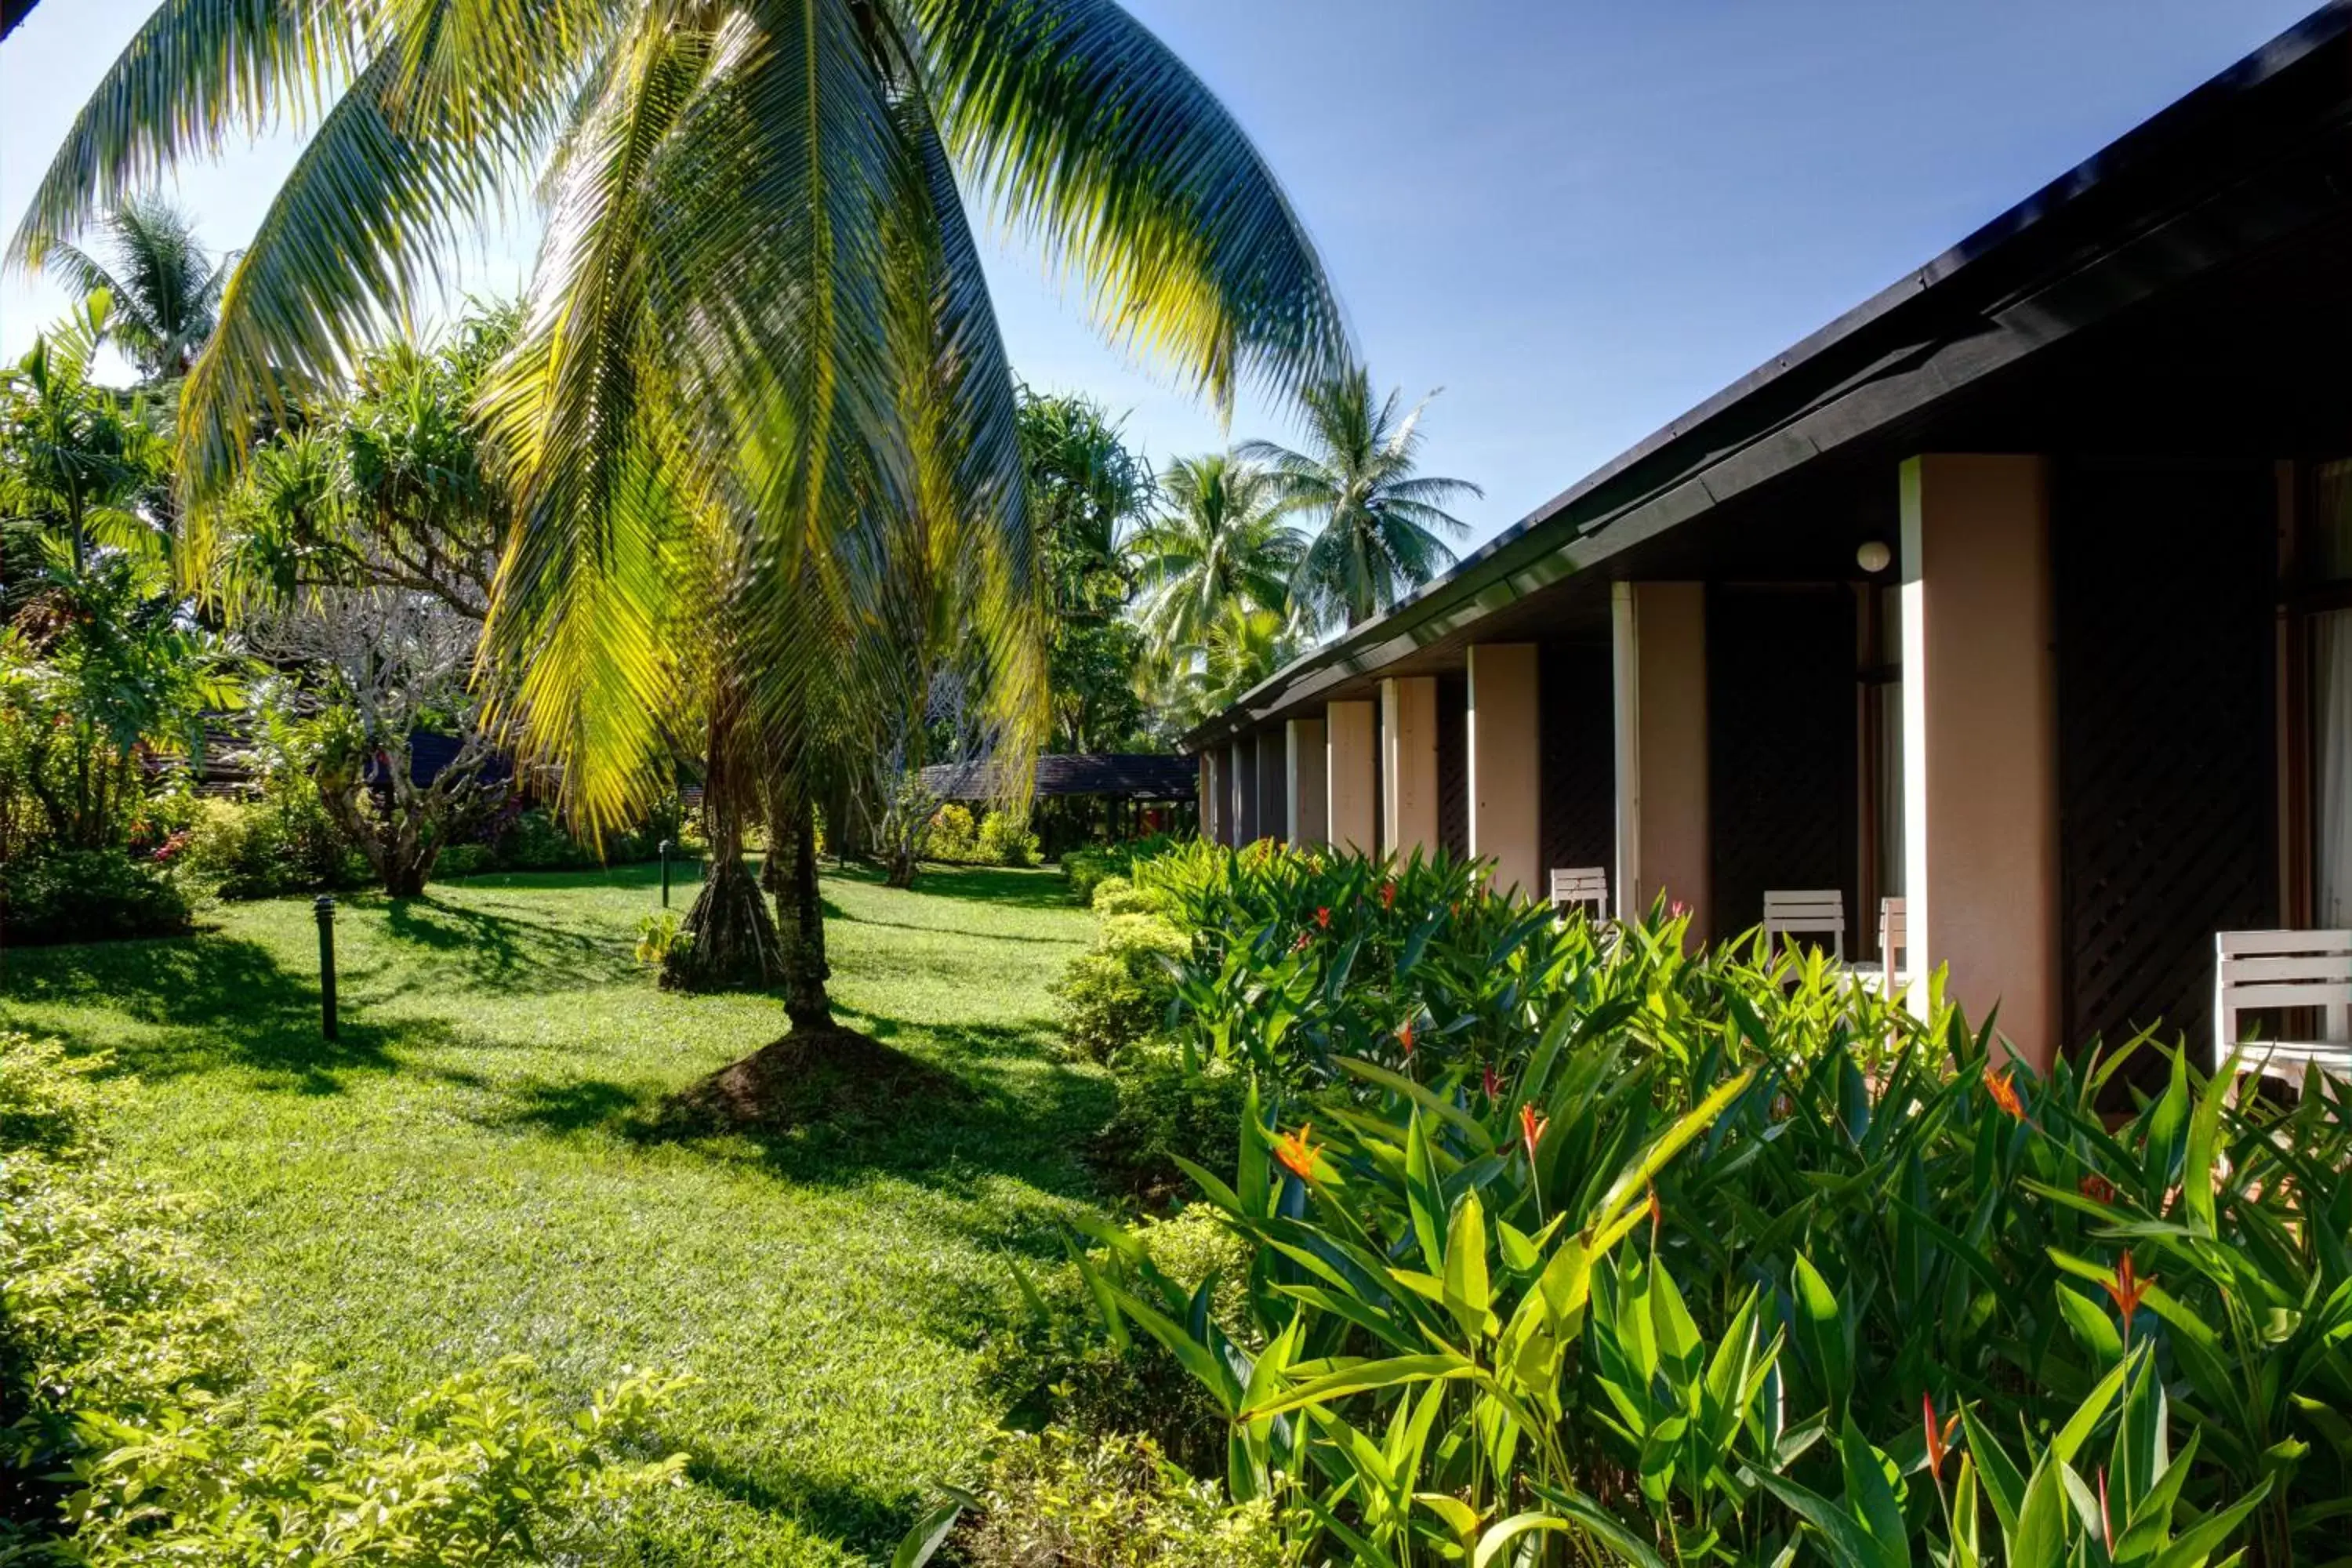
[
  {"x": 1813, "y": 912},
  {"x": 1581, "y": 885},
  {"x": 1894, "y": 937},
  {"x": 2302, "y": 970}
]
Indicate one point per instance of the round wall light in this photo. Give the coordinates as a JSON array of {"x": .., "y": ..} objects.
[{"x": 1873, "y": 556}]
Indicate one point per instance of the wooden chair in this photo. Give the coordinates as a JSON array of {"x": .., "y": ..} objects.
[
  {"x": 2302, "y": 970},
  {"x": 1813, "y": 912},
  {"x": 1581, "y": 885}
]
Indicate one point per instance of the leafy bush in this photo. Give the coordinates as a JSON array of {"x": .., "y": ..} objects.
[
  {"x": 282, "y": 843},
  {"x": 1608, "y": 1248},
  {"x": 953, "y": 836},
  {"x": 1065, "y": 1500},
  {"x": 127, "y": 1418},
  {"x": 1085, "y": 868},
  {"x": 659, "y": 935},
  {"x": 1114, "y": 894},
  {"x": 1165, "y": 1111},
  {"x": 1007, "y": 840},
  {"x": 535, "y": 841},
  {"x": 88, "y": 895},
  {"x": 1118, "y": 990},
  {"x": 464, "y": 860}
]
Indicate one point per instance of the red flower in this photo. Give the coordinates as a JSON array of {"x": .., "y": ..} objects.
[
  {"x": 1404, "y": 1036},
  {"x": 1323, "y": 915},
  {"x": 1531, "y": 1129},
  {"x": 1494, "y": 1082},
  {"x": 2097, "y": 1188},
  {"x": 1936, "y": 1438},
  {"x": 1657, "y": 1216},
  {"x": 1306, "y": 940},
  {"x": 2128, "y": 1288},
  {"x": 2003, "y": 1089},
  {"x": 1296, "y": 1154},
  {"x": 1388, "y": 895}
]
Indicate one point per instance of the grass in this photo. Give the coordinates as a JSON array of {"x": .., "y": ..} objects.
[{"x": 464, "y": 1174}]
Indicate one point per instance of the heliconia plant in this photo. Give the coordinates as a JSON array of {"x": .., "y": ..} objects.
[{"x": 1568, "y": 1244}]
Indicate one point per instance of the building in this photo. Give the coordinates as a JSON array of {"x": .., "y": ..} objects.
[{"x": 2022, "y": 591}]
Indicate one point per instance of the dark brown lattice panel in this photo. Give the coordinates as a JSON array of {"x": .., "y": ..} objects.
[
  {"x": 1453, "y": 764},
  {"x": 1580, "y": 757},
  {"x": 1781, "y": 786},
  {"x": 2167, "y": 793}
]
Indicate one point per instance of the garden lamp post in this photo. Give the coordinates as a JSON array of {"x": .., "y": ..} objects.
[{"x": 324, "y": 908}]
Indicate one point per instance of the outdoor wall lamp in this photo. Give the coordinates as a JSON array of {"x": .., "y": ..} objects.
[{"x": 1873, "y": 556}]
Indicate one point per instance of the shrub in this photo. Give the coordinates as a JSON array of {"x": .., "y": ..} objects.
[
  {"x": 953, "y": 836},
  {"x": 1085, "y": 870},
  {"x": 658, "y": 936},
  {"x": 536, "y": 841},
  {"x": 1116, "y": 895},
  {"x": 1006, "y": 840},
  {"x": 1165, "y": 1110},
  {"x": 464, "y": 860},
  {"x": 89, "y": 895},
  {"x": 1118, "y": 990},
  {"x": 282, "y": 843},
  {"x": 1079, "y": 1501}
]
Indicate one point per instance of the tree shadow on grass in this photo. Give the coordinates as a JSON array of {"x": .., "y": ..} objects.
[
  {"x": 484, "y": 950},
  {"x": 1001, "y": 886},
  {"x": 212, "y": 1002},
  {"x": 866, "y": 1518}
]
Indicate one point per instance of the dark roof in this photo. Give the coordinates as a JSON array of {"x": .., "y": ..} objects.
[
  {"x": 2255, "y": 154},
  {"x": 1132, "y": 774}
]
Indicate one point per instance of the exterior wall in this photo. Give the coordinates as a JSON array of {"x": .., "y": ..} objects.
[
  {"x": 1979, "y": 739},
  {"x": 1408, "y": 764},
  {"x": 1505, "y": 744},
  {"x": 1660, "y": 651},
  {"x": 1352, "y": 775},
  {"x": 1210, "y": 826},
  {"x": 1272, "y": 778},
  {"x": 1307, "y": 762}
]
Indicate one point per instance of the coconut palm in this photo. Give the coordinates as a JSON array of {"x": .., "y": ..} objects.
[
  {"x": 166, "y": 289},
  {"x": 758, "y": 307},
  {"x": 1219, "y": 545},
  {"x": 1383, "y": 528}
]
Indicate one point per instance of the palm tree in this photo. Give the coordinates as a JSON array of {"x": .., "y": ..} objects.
[
  {"x": 1383, "y": 528},
  {"x": 758, "y": 307},
  {"x": 1219, "y": 546},
  {"x": 166, "y": 289}
]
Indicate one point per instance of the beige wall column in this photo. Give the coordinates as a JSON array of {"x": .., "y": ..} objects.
[
  {"x": 1408, "y": 764},
  {"x": 1659, "y": 638},
  {"x": 1307, "y": 762},
  {"x": 1351, "y": 819},
  {"x": 1980, "y": 740},
  {"x": 1273, "y": 774},
  {"x": 1506, "y": 749},
  {"x": 1209, "y": 827}
]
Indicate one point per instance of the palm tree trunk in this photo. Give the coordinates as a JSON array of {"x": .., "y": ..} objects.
[
  {"x": 800, "y": 911},
  {"x": 733, "y": 944}
]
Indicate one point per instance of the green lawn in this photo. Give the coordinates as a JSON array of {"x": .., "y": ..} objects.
[{"x": 466, "y": 1175}]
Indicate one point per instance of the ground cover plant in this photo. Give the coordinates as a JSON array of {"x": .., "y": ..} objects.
[
  {"x": 471, "y": 1171},
  {"x": 1565, "y": 1245}
]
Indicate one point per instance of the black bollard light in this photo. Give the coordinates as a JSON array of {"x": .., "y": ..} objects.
[
  {"x": 664, "y": 863},
  {"x": 324, "y": 908}
]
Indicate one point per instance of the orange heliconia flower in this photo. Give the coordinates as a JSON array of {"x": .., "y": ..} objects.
[
  {"x": 2097, "y": 1188},
  {"x": 1937, "y": 1437},
  {"x": 1388, "y": 895},
  {"x": 1657, "y": 1216},
  {"x": 1323, "y": 915},
  {"x": 2128, "y": 1288},
  {"x": 2003, "y": 1089},
  {"x": 1296, "y": 1154},
  {"x": 1531, "y": 1129},
  {"x": 1404, "y": 1036}
]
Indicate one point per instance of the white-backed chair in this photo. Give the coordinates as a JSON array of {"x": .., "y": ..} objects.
[
  {"x": 1809, "y": 911},
  {"x": 1894, "y": 937},
  {"x": 2296, "y": 970},
  {"x": 1586, "y": 885}
]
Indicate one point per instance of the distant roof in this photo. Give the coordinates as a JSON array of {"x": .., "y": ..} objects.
[{"x": 1135, "y": 775}]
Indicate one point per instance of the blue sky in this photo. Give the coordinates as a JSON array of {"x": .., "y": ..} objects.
[{"x": 1578, "y": 219}]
